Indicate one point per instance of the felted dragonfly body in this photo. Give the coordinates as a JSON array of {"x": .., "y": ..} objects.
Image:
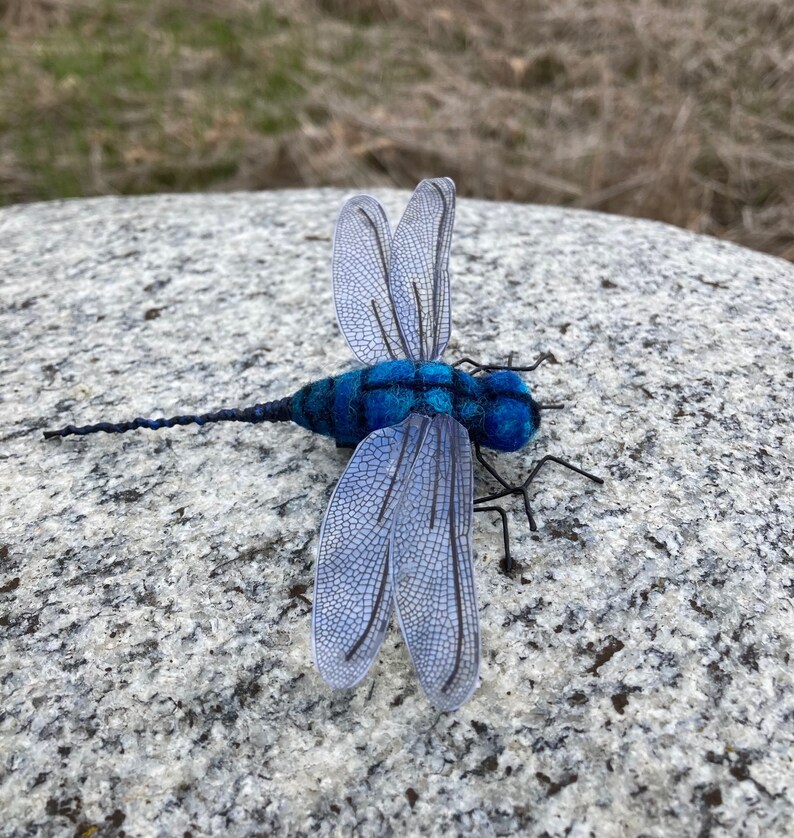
[
  {"x": 497, "y": 411},
  {"x": 398, "y": 529}
]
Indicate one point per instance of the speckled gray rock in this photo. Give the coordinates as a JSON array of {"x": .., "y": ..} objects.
[{"x": 156, "y": 674}]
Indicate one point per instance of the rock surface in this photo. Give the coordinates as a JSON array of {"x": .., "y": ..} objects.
[{"x": 156, "y": 673}]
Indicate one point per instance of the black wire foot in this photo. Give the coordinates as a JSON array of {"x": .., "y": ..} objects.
[{"x": 505, "y": 533}]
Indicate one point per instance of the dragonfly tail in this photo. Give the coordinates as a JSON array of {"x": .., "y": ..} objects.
[{"x": 277, "y": 411}]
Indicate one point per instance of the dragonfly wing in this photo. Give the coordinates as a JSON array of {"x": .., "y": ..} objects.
[
  {"x": 419, "y": 269},
  {"x": 360, "y": 266},
  {"x": 432, "y": 566},
  {"x": 353, "y": 589}
]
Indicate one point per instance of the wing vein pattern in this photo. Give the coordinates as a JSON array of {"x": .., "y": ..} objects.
[
  {"x": 353, "y": 590},
  {"x": 431, "y": 565},
  {"x": 398, "y": 525},
  {"x": 392, "y": 295},
  {"x": 360, "y": 267},
  {"x": 419, "y": 269}
]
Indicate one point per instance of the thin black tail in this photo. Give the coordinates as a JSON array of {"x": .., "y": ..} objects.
[{"x": 278, "y": 411}]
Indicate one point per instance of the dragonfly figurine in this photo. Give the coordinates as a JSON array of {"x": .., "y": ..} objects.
[{"x": 397, "y": 534}]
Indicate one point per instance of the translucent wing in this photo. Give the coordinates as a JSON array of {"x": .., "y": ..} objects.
[
  {"x": 353, "y": 583},
  {"x": 360, "y": 266},
  {"x": 419, "y": 269},
  {"x": 432, "y": 566}
]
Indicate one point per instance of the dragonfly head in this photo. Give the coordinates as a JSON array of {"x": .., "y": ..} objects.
[{"x": 512, "y": 416}]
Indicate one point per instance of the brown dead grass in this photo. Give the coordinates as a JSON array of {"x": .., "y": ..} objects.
[{"x": 676, "y": 110}]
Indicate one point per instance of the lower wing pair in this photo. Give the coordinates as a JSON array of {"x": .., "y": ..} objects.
[{"x": 398, "y": 531}]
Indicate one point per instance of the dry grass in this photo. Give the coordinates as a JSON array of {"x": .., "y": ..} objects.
[{"x": 678, "y": 110}]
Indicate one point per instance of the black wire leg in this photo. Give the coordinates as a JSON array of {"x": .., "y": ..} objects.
[
  {"x": 478, "y": 367},
  {"x": 508, "y": 489},
  {"x": 523, "y": 488},
  {"x": 505, "y": 533},
  {"x": 488, "y": 467}
]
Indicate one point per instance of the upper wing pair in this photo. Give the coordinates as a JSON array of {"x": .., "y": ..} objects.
[
  {"x": 398, "y": 529},
  {"x": 392, "y": 294}
]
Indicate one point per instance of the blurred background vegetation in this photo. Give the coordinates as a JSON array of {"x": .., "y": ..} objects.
[{"x": 678, "y": 110}]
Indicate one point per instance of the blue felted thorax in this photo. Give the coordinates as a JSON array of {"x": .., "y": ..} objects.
[{"x": 497, "y": 409}]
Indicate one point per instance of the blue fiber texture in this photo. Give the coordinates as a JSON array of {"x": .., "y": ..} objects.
[
  {"x": 509, "y": 421},
  {"x": 387, "y": 406},
  {"x": 497, "y": 410},
  {"x": 439, "y": 401},
  {"x": 391, "y": 372}
]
